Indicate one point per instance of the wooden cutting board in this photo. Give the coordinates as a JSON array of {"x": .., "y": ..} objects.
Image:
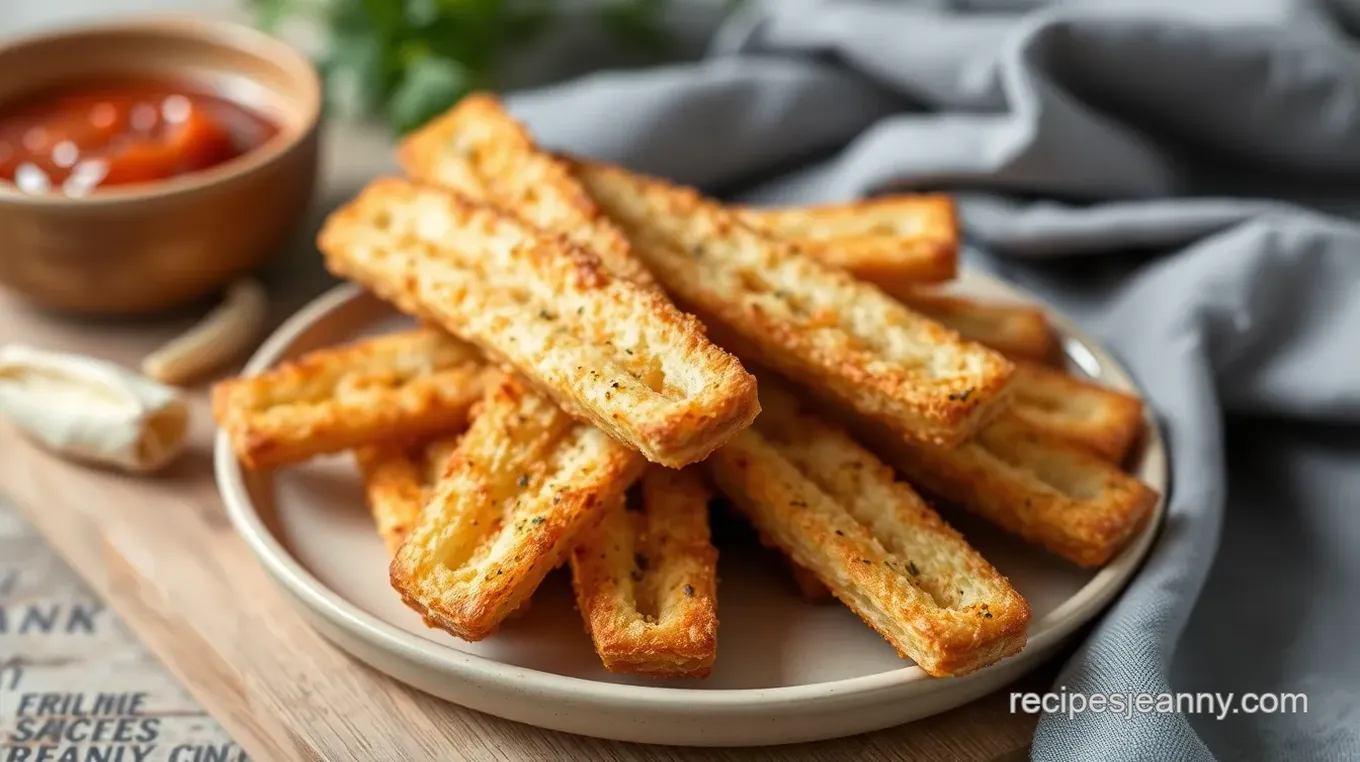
[{"x": 163, "y": 555}]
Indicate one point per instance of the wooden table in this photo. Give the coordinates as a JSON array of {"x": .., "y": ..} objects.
[{"x": 162, "y": 553}]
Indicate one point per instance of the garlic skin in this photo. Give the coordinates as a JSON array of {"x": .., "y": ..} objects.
[
  {"x": 226, "y": 332},
  {"x": 92, "y": 410}
]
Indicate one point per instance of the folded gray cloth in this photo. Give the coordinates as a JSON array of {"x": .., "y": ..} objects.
[{"x": 1181, "y": 177}]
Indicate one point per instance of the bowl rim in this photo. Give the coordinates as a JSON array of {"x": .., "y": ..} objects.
[{"x": 241, "y": 37}]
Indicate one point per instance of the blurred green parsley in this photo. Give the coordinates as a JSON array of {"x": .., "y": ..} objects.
[{"x": 408, "y": 60}]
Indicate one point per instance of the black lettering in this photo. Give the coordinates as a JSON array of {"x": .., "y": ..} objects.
[
  {"x": 16, "y": 671},
  {"x": 34, "y": 620},
  {"x": 151, "y": 730},
  {"x": 123, "y": 733},
  {"x": 71, "y": 754},
  {"x": 217, "y": 753},
  {"x": 135, "y": 703},
  {"x": 24, "y": 700},
  {"x": 184, "y": 747},
  {"x": 51, "y": 730},
  {"x": 49, "y": 704},
  {"x": 100, "y": 733},
  {"x": 140, "y": 753},
  {"x": 100, "y": 754},
  {"x": 23, "y": 730},
  {"x": 18, "y": 754},
  {"x": 77, "y": 730}
]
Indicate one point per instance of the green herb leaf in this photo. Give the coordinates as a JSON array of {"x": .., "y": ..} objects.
[
  {"x": 411, "y": 59},
  {"x": 430, "y": 86}
]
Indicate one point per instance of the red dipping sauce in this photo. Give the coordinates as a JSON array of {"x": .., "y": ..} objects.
[{"x": 75, "y": 140}]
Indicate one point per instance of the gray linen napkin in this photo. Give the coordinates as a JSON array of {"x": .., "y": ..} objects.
[{"x": 1183, "y": 178}]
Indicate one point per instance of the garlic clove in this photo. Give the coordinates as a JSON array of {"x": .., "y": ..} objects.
[{"x": 92, "y": 410}]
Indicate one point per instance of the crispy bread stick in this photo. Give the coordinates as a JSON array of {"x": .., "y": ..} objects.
[
  {"x": 837, "y": 510},
  {"x": 1017, "y": 331},
  {"x": 402, "y": 386},
  {"x": 608, "y": 351},
  {"x": 479, "y": 150},
  {"x": 520, "y": 486},
  {"x": 1047, "y": 491},
  {"x": 1102, "y": 420},
  {"x": 646, "y": 579},
  {"x": 892, "y": 241},
  {"x": 397, "y": 479},
  {"x": 769, "y": 303}
]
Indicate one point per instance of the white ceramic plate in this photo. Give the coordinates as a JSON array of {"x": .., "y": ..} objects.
[{"x": 787, "y": 671}]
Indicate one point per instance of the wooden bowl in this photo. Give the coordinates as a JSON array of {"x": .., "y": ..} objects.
[{"x": 142, "y": 248}]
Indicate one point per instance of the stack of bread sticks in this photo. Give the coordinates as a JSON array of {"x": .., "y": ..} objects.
[{"x": 598, "y": 352}]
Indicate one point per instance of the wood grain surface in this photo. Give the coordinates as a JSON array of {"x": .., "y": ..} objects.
[{"x": 161, "y": 552}]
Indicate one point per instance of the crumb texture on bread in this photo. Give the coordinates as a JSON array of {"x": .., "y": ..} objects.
[
  {"x": 888, "y": 240},
  {"x": 838, "y": 511},
  {"x": 1015, "y": 330},
  {"x": 478, "y": 149},
  {"x": 812, "y": 322},
  {"x": 397, "y": 479},
  {"x": 646, "y": 579},
  {"x": 1046, "y": 490},
  {"x": 608, "y": 351},
  {"x": 1103, "y": 420},
  {"x": 404, "y": 385},
  {"x": 521, "y": 484}
]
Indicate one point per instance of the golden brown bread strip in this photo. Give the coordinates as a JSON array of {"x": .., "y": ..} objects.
[
  {"x": 1017, "y": 331},
  {"x": 520, "y": 486},
  {"x": 608, "y": 351},
  {"x": 838, "y": 511},
  {"x": 1101, "y": 419},
  {"x": 405, "y": 385},
  {"x": 889, "y": 240},
  {"x": 397, "y": 480},
  {"x": 479, "y": 150},
  {"x": 1047, "y": 491},
  {"x": 646, "y": 579},
  {"x": 769, "y": 303}
]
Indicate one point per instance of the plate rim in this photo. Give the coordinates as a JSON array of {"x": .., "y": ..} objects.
[{"x": 1100, "y": 591}]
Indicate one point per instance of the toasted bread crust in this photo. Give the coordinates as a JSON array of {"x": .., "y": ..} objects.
[
  {"x": 1045, "y": 490},
  {"x": 891, "y": 240},
  {"x": 838, "y": 511},
  {"x": 812, "y": 322},
  {"x": 1017, "y": 331},
  {"x": 646, "y": 580},
  {"x": 520, "y": 486},
  {"x": 607, "y": 350},
  {"x": 1103, "y": 420},
  {"x": 398, "y": 477},
  {"x": 401, "y": 386},
  {"x": 478, "y": 149}
]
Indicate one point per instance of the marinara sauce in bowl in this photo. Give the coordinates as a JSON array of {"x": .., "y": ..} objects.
[
  {"x": 77, "y": 139},
  {"x": 144, "y": 164}
]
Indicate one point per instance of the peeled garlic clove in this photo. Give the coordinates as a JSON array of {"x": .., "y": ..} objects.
[{"x": 92, "y": 410}]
